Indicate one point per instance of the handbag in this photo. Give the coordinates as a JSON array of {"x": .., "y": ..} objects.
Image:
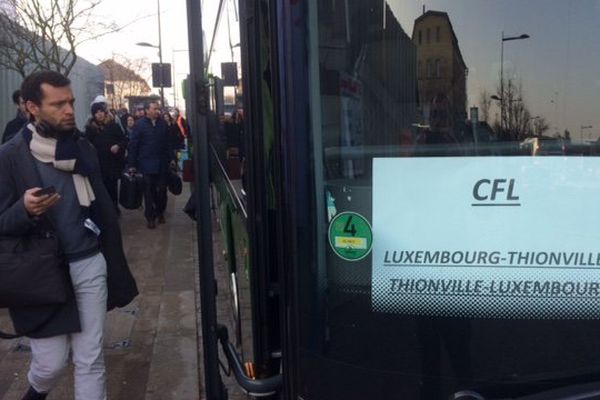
[
  {"x": 33, "y": 271},
  {"x": 174, "y": 183},
  {"x": 131, "y": 191}
]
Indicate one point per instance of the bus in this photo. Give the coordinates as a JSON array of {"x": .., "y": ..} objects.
[{"x": 385, "y": 230}]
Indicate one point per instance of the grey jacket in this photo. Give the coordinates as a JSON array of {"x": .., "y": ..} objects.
[{"x": 17, "y": 174}]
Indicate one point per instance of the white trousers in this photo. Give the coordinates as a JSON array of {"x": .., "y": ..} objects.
[{"x": 50, "y": 355}]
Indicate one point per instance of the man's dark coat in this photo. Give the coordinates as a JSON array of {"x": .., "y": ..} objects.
[
  {"x": 150, "y": 148},
  {"x": 19, "y": 173},
  {"x": 103, "y": 138},
  {"x": 13, "y": 127}
]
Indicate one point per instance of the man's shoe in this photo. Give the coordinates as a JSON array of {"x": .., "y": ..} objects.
[
  {"x": 151, "y": 225},
  {"x": 33, "y": 395},
  {"x": 161, "y": 219}
]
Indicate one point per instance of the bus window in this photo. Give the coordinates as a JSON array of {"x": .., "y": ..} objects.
[{"x": 456, "y": 183}]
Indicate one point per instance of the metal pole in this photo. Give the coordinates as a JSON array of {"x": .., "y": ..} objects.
[
  {"x": 198, "y": 117},
  {"x": 174, "y": 79},
  {"x": 556, "y": 110},
  {"x": 160, "y": 59},
  {"x": 502, "y": 83},
  {"x": 214, "y": 35}
]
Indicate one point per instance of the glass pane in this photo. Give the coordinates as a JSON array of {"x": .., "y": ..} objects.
[{"x": 456, "y": 175}]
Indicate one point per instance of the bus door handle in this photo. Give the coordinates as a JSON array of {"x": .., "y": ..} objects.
[{"x": 254, "y": 387}]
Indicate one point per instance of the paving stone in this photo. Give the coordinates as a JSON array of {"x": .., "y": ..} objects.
[{"x": 150, "y": 345}]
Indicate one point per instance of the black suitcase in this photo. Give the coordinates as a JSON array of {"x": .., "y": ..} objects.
[
  {"x": 131, "y": 191},
  {"x": 174, "y": 183}
]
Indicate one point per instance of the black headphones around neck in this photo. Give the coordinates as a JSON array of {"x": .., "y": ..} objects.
[{"x": 43, "y": 128}]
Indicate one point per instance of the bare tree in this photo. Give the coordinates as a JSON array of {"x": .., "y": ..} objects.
[
  {"x": 125, "y": 77},
  {"x": 485, "y": 104},
  {"x": 45, "y": 34},
  {"x": 540, "y": 126},
  {"x": 515, "y": 120}
]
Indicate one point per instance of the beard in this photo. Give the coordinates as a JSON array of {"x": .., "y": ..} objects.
[{"x": 62, "y": 129}]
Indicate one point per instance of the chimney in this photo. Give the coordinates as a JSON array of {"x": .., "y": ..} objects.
[{"x": 423, "y": 8}]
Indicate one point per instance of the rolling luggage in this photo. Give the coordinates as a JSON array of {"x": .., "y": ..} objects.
[{"x": 131, "y": 191}]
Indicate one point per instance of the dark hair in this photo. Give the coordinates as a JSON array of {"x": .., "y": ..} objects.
[
  {"x": 16, "y": 96},
  {"x": 98, "y": 107},
  {"x": 31, "y": 88},
  {"x": 147, "y": 104}
]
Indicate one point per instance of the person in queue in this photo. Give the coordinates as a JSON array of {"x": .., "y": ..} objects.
[
  {"x": 22, "y": 117},
  {"x": 47, "y": 153},
  {"x": 129, "y": 123},
  {"x": 176, "y": 137},
  {"x": 139, "y": 113},
  {"x": 150, "y": 153},
  {"x": 110, "y": 143}
]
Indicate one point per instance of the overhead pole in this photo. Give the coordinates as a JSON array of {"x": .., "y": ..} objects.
[
  {"x": 214, "y": 389},
  {"x": 160, "y": 60},
  {"x": 214, "y": 35}
]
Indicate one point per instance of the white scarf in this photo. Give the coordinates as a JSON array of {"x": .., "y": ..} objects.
[{"x": 44, "y": 150}]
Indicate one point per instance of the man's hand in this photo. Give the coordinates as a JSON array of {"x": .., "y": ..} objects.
[
  {"x": 132, "y": 171},
  {"x": 38, "y": 205},
  {"x": 115, "y": 149}
]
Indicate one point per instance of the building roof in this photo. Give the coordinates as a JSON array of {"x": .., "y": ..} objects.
[
  {"x": 432, "y": 13},
  {"x": 113, "y": 71}
]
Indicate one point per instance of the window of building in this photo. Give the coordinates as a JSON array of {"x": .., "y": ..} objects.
[
  {"x": 428, "y": 35},
  {"x": 437, "y": 34},
  {"x": 438, "y": 68},
  {"x": 420, "y": 37},
  {"x": 429, "y": 69}
]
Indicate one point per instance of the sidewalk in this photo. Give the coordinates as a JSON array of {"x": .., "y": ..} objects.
[{"x": 151, "y": 345}]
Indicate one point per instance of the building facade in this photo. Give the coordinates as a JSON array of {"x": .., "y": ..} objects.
[
  {"x": 86, "y": 81},
  {"x": 122, "y": 82},
  {"x": 441, "y": 69}
]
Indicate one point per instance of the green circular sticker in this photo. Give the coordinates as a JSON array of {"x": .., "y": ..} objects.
[{"x": 350, "y": 236}]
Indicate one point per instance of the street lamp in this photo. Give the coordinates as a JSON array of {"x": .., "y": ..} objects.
[
  {"x": 160, "y": 60},
  {"x": 584, "y": 127},
  {"x": 532, "y": 119},
  {"x": 505, "y": 39},
  {"x": 146, "y": 44},
  {"x": 554, "y": 101}
]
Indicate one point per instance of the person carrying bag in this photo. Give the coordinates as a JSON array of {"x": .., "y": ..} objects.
[
  {"x": 57, "y": 218},
  {"x": 131, "y": 192},
  {"x": 33, "y": 273}
]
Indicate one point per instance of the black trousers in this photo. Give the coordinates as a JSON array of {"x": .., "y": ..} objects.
[
  {"x": 112, "y": 187},
  {"x": 155, "y": 195}
]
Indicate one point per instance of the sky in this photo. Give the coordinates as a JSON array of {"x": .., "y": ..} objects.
[
  {"x": 140, "y": 18},
  {"x": 559, "y": 65}
]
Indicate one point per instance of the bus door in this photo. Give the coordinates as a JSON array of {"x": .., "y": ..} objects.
[{"x": 427, "y": 252}]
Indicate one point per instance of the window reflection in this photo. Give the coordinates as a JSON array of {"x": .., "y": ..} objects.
[
  {"x": 455, "y": 78},
  {"x": 486, "y": 78}
]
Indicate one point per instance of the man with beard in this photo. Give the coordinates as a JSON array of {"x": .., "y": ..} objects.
[{"x": 49, "y": 152}]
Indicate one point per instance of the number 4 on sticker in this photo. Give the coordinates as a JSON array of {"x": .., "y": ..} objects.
[{"x": 350, "y": 228}]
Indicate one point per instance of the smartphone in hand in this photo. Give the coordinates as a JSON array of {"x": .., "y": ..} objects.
[{"x": 50, "y": 190}]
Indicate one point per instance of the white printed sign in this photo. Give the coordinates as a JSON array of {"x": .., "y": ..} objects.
[{"x": 487, "y": 237}]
